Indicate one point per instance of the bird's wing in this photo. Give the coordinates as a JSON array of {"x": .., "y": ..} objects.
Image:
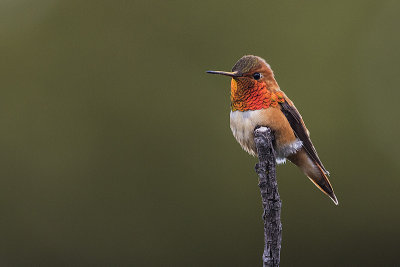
[{"x": 301, "y": 132}]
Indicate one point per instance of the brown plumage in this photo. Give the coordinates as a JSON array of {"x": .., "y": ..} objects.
[{"x": 258, "y": 101}]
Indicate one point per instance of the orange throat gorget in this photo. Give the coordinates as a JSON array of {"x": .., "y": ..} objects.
[{"x": 247, "y": 94}]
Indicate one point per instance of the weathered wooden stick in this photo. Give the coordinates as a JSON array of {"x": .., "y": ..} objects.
[{"x": 266, "y": 170}]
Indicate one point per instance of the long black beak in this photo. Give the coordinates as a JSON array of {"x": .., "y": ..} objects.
[{"x": 226, "y": 73}]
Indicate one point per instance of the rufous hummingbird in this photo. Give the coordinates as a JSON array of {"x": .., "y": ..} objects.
[{"x": 257, "y": 100}]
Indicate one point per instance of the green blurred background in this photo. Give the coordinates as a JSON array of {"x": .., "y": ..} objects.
[{"x": 116, "y": 148}]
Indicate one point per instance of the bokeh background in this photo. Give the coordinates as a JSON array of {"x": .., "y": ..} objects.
[{"x": 116, "y": 148}]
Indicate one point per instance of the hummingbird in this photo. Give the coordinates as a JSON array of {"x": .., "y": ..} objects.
[{"x": 257, "y": 100}]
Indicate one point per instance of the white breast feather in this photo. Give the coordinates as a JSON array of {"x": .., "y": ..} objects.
[{"x": 243, "y": 124}]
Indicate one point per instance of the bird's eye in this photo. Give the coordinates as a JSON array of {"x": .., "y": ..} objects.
[{"x": 256, "y": 76}]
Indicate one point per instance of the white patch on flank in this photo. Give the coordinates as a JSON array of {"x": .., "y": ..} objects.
[
  {"x": 280, "y": 160},
  {"x": 288, "y": 149}
]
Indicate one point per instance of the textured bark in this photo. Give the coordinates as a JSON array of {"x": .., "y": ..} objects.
[{"x": 266, "y": 170}]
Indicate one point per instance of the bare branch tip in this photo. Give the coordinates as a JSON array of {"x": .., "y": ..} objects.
[{"x": 262, "y": 129}]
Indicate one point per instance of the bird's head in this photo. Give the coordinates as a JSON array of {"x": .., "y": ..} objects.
[{"x": 252, "y": 84}]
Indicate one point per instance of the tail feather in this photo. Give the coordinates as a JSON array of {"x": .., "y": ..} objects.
[
  {"x": 314, "y": 172},
  {"x": 322, "y": 182}
]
